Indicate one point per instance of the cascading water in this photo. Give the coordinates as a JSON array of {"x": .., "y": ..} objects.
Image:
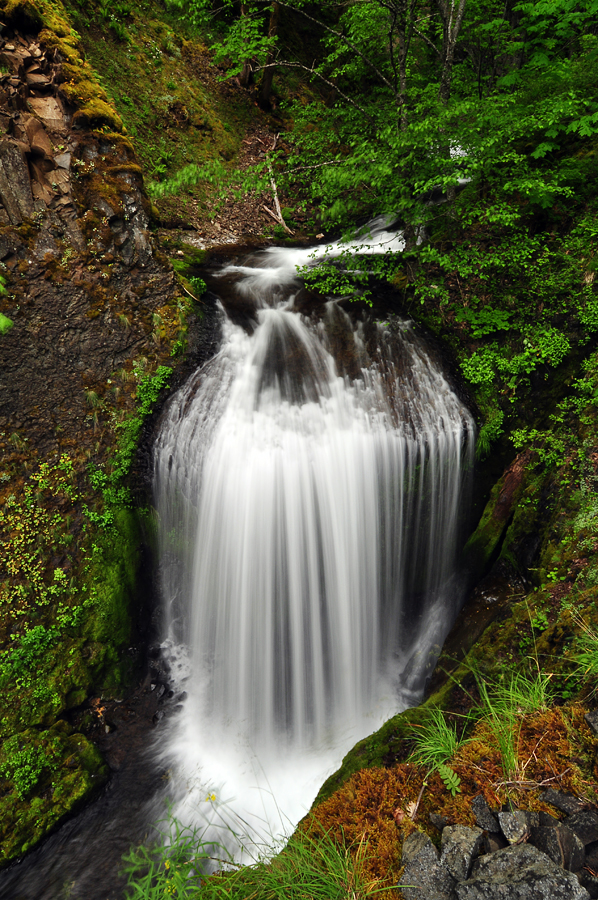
[{"x": 309, "y": 482}]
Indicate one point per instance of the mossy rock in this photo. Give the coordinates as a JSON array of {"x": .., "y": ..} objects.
[
  {"x": 97, "y": 113},
  {"x": 45, "y": 776},
  {"x": 484, "y": 544},
  {"x": 22, "y": 14}
]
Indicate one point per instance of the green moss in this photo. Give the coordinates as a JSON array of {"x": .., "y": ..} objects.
[
  {"x": 113, "y": 576},
  {"x": 97, "y": 113},
  {"x": 45, "y": 775},
  {"x": 484, "y": 544},
  {"x": 22, "y": 14},
  {"x": 5, "y": 324}
]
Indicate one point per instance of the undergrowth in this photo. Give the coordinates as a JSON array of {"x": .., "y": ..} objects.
[{"x": 307, "y": 868}]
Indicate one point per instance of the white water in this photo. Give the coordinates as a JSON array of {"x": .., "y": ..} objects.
[{"x": 309, "y": 481}]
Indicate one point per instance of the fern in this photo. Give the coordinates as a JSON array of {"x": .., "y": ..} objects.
[{"x": 450, "y": 779}]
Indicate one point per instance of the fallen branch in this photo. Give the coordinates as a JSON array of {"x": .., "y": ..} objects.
[
  {"x": 278, "y": 215},
  {"x": 413, "y": 812},
  {"x": 529, "y": 785},
  {"x": 193, "y": 297},
  {"x": 270, "y": 213}
]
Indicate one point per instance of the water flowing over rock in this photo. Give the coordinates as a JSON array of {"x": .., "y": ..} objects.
[{"x": 309, "y": 481}]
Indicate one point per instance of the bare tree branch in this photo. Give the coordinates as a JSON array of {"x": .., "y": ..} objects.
[
  {"x": 349, "y": 44},
  {"x": 295, "y": 65}
]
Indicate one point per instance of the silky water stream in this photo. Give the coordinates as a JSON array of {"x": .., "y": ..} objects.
[{"x": 310, "y": 482}]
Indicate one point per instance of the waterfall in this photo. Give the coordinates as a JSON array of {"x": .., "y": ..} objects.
[{"x": 309, "y": 481}]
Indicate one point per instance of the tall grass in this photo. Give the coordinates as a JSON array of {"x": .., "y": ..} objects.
[
  {"x": 503, "y": 707},
  {"x": 436, "y": 741},
  {"x": 306, "y": 869}
]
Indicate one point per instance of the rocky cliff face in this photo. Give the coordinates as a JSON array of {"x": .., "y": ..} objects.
[
  {"x": 91, "y": 309},
  {"x": 74, "y": 242}
]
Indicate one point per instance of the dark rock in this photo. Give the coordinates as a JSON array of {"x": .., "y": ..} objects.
[
  {"x": 592, "y": 856},
  {"x": 592, "y": 720},
  {"x": 514, "y": 825},
  {"x": 424, "y": 876},
  {"x": 589, "y": 882},
  {"x": 547, "y": 820},
  {"x": 567, "y": 803},
  {"x": 585, "y": 826},
  {"x": 494, "y": 841},
  {"x": 484, "y": 816},
  {"x": 15, "y": 186},
  {"x": 519, "y": 873},
  {"x": 560, "y": 844},
  {"x": 460, "y": 846},
  {"x": 438, "y": 822}
]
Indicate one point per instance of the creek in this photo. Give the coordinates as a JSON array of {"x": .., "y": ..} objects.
[{"x": 312, "y": 485}]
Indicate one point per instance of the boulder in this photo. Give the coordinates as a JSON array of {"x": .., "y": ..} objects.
[
  {"x": 567, "y": 803},
  {"x": 561, "y": 844},
  {"x": 460, "y": 846},
  {"x": 519, "y": 873},
  {"x": 15, "y": 186},
  {"x": 484, "y": 816},
  {"x": 425, "y": 877},
  {"x": 589, "y": 882},
  {"x": 514, "y": 825},
  {"x": 585, "y": 826}
]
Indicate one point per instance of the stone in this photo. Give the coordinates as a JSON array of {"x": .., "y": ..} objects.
[
  {"x": 15, "y": 186},
  {"x": 50, "y": 110},
  {"x": 592, "y": 856},
  {"x": 37, "y": 79},
  {"x": 589, "y": 882},
  {"x": 514, "y": 825},
  {"x": 484, "y": 816},
  {"x": 567, "y": 803},
  {"x": 424, "y": 876},
  {"x": 547, "y": 820},
  {"x": 494, "y": 841},
  {"x": 519, "y": 873},
  {"x": 561, "y": 844},
  {"x": 585, "y": 826},
  {"x": 459, "y": 847},
  {"x": 63, "y": 160},
  {"x": 437, "y": 821},
  {"x": 592, "y": 720}
]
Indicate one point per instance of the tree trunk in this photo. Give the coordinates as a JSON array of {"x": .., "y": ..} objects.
[
  {"x": 268, "y": 77},
  {"x": 451, "y": 13},
  {"x": 246, "y": 76}
]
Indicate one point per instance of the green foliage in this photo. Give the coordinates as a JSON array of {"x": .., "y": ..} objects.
[
  {"x": 212, "y": 173},
  {"x": 24, "y": 764},
  {"x": 505, "y": 703},
  {"x": 489, "y": 433},
  {"x": 450, "y": 779},
  {"x": 308, "y": 867},
  {"x": 5, "y": 324},
  {"x": 436, "y": 741},
  {"x": 198, "y": 286},
  {"x": 585, "y": 655},
  {"x": 28, "y": 524},
  {"x": 115, "y": 492}
]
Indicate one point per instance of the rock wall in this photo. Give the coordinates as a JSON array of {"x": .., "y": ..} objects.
[{"x": 91, "y": 308}]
